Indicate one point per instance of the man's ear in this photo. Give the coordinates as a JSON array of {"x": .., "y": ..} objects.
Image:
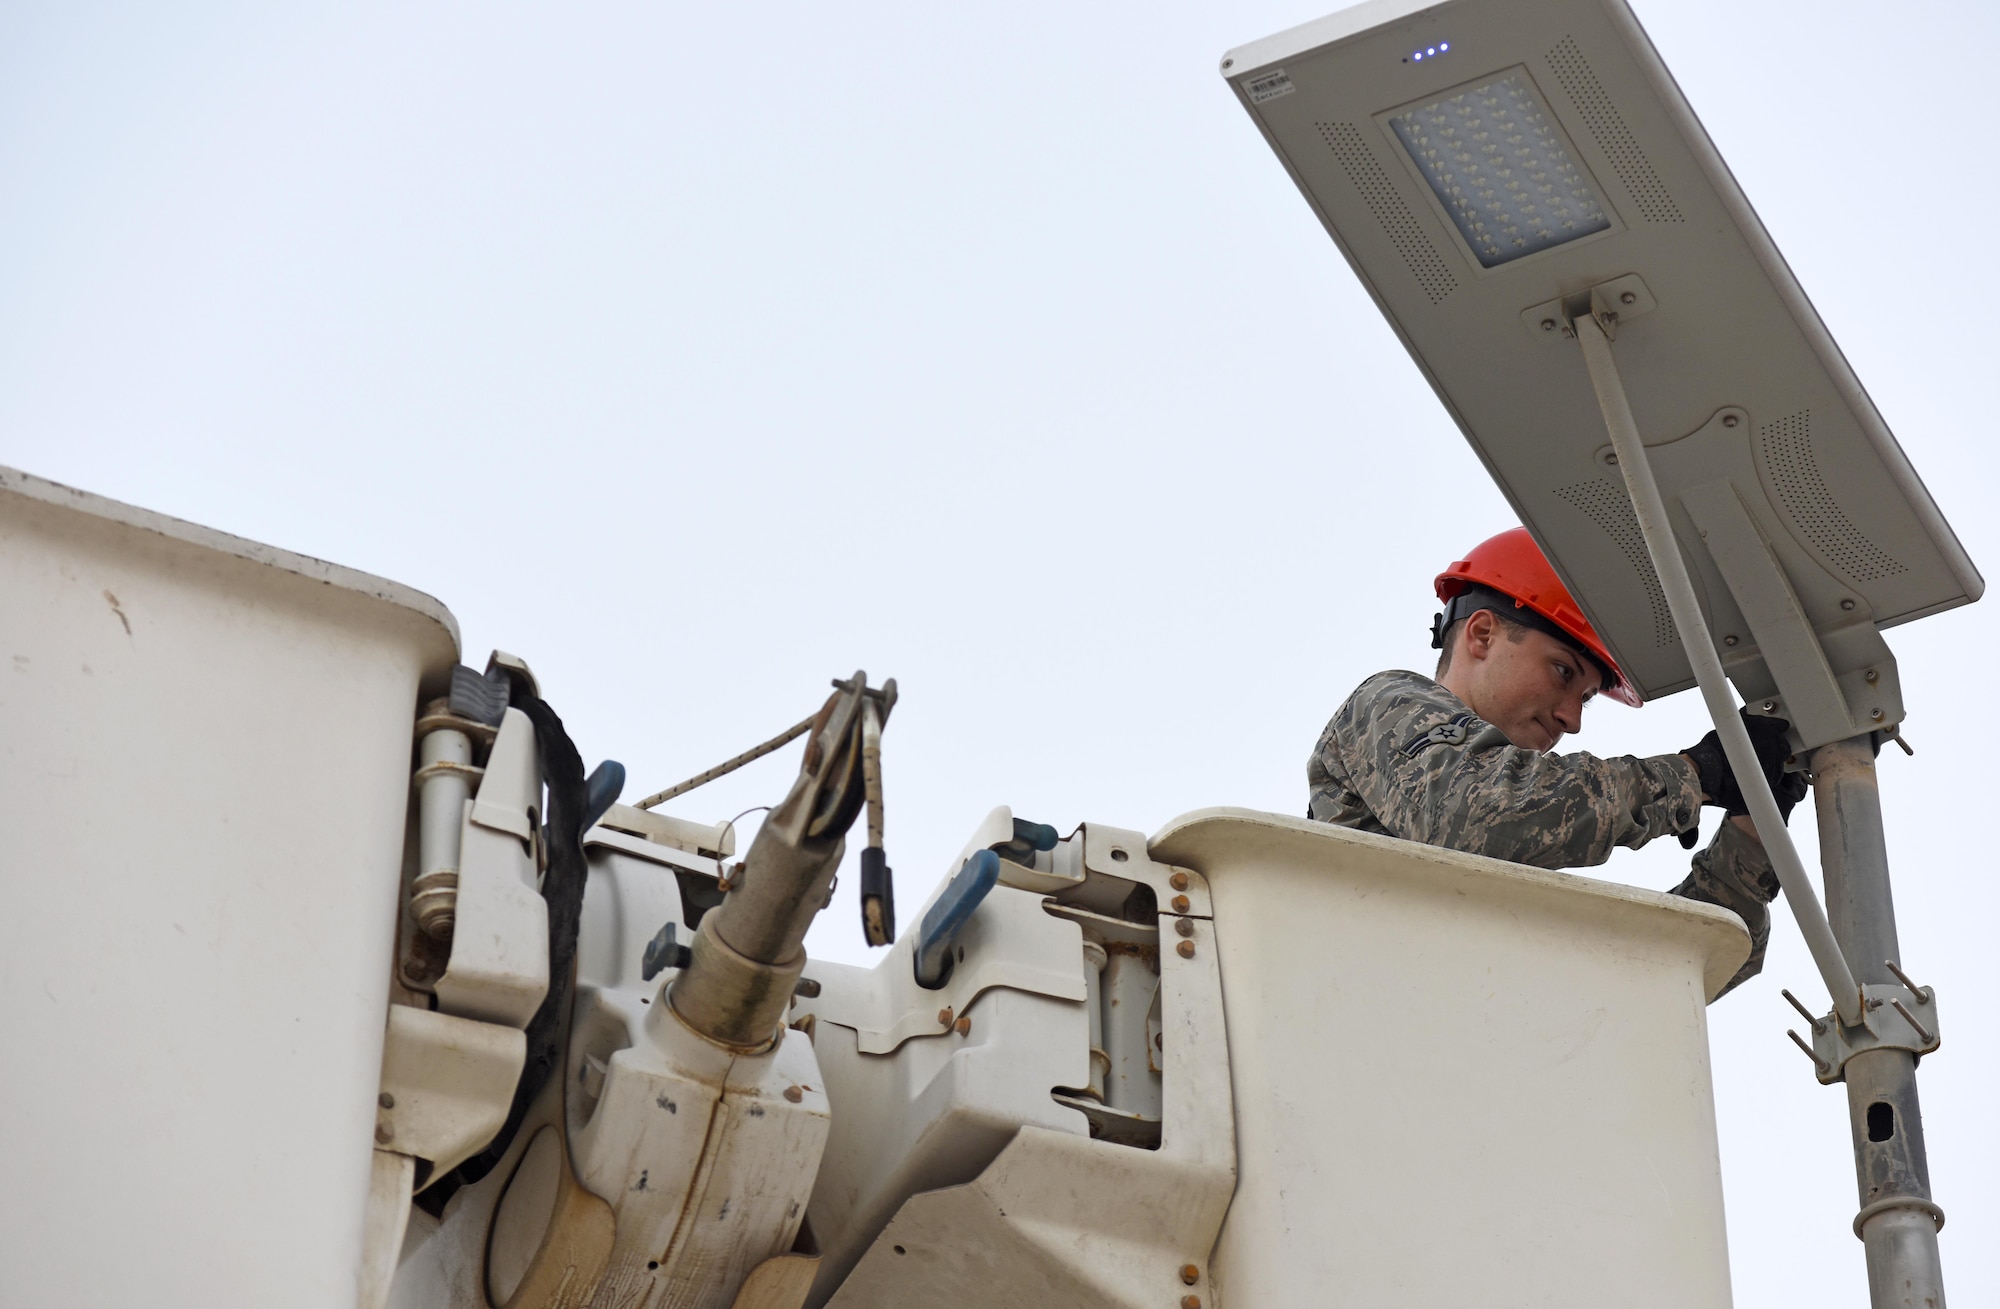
[{"x": 1479, "y": 630}]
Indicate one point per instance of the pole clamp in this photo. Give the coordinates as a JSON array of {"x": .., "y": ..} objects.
[
  {"x": 1883, "y": 1206},
  {"x": 1893, "y": 1017}
]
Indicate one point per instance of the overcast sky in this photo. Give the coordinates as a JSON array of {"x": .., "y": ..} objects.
[{"x": 701, "y": 355}]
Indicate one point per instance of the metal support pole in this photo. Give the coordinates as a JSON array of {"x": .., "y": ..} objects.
[
  {"x": 1898, "y": 1222},
  {"x": 1658, "y": 532}
]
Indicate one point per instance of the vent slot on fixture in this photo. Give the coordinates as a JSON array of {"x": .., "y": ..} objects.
[
  {"x": 1607, "y": 506},
  {"x": 1615, "y": 139},
  {"x": 1794, "y": 472},
  {"x": 1411, "y": 241}
]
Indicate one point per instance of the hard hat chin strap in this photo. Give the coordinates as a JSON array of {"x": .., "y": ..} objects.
[{"x": 1474, "y": 598}]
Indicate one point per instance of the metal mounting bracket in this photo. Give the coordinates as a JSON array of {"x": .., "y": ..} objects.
[
  {"x": 1619, "y": 300},
  {"x": 1824, "y": 703},
  {"x": 1892, "y": 1018}
]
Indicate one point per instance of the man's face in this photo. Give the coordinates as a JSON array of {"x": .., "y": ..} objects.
[{"x": 1526, "y": 683}]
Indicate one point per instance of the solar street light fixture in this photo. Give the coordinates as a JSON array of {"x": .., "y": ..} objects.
[{"x": 1534, "y": 207}]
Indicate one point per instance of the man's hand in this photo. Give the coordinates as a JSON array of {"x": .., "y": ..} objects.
[{"x": 1718, "y": 781}]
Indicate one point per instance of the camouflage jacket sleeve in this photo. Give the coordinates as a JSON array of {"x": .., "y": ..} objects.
[
  {"x": 1735, "y": 872},
  {"x": 1407, "y": 758}
]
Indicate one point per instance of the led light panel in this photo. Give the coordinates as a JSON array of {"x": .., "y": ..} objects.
[{"x": 1500, "y": 170}]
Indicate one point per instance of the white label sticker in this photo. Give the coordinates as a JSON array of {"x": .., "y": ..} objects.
[{"x": 1268, "y": 86}]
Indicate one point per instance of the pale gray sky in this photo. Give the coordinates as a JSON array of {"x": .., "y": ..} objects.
[{"x": 699, "y": 356}]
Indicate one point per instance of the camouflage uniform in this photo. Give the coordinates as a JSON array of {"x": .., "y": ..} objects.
[{"x": 1407, "y": 758}]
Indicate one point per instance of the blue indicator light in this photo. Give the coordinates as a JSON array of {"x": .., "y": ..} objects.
[{"x": 1428, "y": 52}]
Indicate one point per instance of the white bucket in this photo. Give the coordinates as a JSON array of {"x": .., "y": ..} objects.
[{"x": 205, "y": 754}]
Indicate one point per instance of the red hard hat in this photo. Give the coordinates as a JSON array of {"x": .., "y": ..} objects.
[{"x": 1512, "y": 564}]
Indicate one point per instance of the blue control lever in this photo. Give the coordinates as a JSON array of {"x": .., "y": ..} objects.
[
  {"x": 601, "y": 790},
  {"x": 948, "y": 915}
]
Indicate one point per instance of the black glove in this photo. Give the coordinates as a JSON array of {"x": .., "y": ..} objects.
[
  {"x": 1718, "y": 782},
  {"x": 1788, "y": 792},
  {"x": 1791, "y": 789}
]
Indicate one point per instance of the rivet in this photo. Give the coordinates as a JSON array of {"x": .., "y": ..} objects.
[
  {"x": 388, "y": 1101},
  {"x": 1180, "y": 904},
  {"x": 384, "y": 1133},
  {"x": 944, "y": 1016},
  {"x": 1190, "y": 1274},
  {"x": 1730, "y": 420},
  {"x": 1179, "y": 881},
  {"x": 1229, "y": 63},
  {"x": 1185, "y": 949},
  {"x": 1627, "y": 298},
  {"x": 1873, "y": 677},
  {"x": 1185, "y": 926},
  {"x": 963, "y": 1026},
  {"x": 1548, "y": 324},
  {"x": 794, "y": 1094},
  {"x": 1729, "y": 640},
  {"x": 1875, "y": 714}
]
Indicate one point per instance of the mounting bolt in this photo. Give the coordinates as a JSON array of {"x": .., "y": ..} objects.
[
  {"x": 1729, "y": 640},
  {"x": 1548, "y": 324},
  {"x": 1873, "y": 677},
  {"x": 384, "y": 1133},
  {"x": 1875, "y": 714},
  {"x": 1730, "y": 420},
  {"x": 794, "y": 1094},
  {"x": 944, "y": 1016},
  {"x": 1185, "y": 926},
  {"x": 1848, "y": 605},
  {"x": 1180, "y": 903},
  {"x": 1770, "y": 706},
  {"x": 1179, "y": 881},
  {"x": 1229, "y": 63},
  {"x": 1190, "y": 1274},
  {"x": 1185, "y": 949},
  {"x": 1190, "y": 1302},
  {"x": 1627, "y": 298},
  {"x": 386, "y": 1100}
]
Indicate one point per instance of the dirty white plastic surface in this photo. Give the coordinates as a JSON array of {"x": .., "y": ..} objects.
[
  {"x": 499, "y": 971},
  {"x": 1460, "y": 1081},
  {"x": 691, "y": 1164},
  {"x": 205, "y": 752},
  {"x": 954, "y": 1177}
]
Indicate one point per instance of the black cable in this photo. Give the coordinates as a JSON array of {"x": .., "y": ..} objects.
[{"x": 562, "y": 890}]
